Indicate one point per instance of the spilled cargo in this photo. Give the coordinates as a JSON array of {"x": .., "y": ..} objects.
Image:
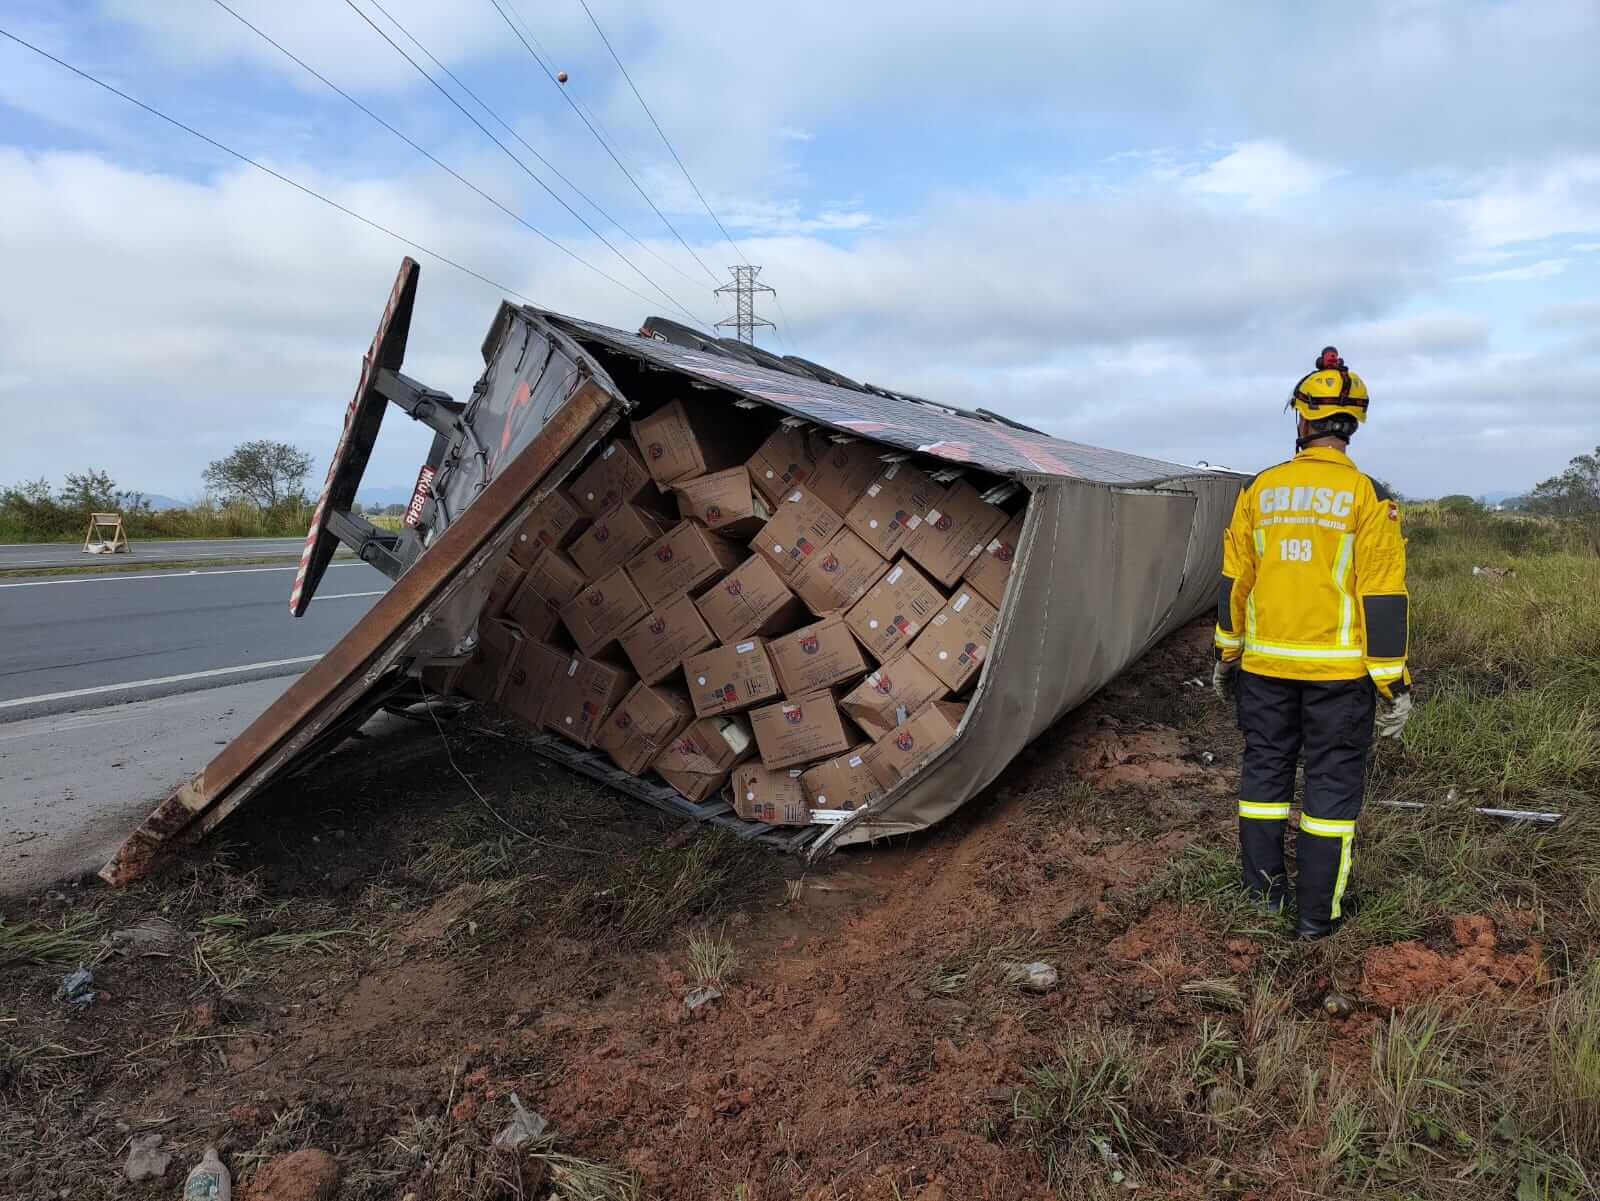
[{"x": 740, "y": 588}]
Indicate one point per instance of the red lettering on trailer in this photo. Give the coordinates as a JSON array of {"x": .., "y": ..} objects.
[{"x": 419, "y": 496}]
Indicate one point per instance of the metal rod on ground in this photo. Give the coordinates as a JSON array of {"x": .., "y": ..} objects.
[{"x": 1518, "y": 815}]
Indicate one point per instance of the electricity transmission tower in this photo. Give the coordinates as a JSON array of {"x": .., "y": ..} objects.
[{"x": 744, "y": 289}]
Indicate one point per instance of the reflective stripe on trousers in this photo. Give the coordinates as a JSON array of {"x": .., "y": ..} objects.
[{"x": 1345, "y": 832}]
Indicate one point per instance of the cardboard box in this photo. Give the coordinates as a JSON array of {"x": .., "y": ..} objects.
[
  {"x": 991, "y": 570},
  {"x": 613, "y": 538},
  {"x": 752, "y": 599},
  {"x": 617, "y": 476},
  {"x": 800, "y": 730},
  {"x": 893, "y": 507},
  {"x": 642, "y": 725},
  {"x": 890, "y": 695},
  {"x": 582, "y": 694},
  {"x": 658, "y": 645},
  {"x": 731, "y": 677},
  {"x": 842, "y": 783},
  {"x": 815, "y": 656},
  {"x": 956, "y": 640},
  {"x": 800, "y": 526},
  {"x": 679, "y": 441},
  {"x": 958, "y": 527},
  {"x": 698, "y": 760},
  {"x": 683, "y": 560},
  {"x": 554, "y": 523},
  {"x": 507, "y": 579},
  {"x": 842, "y": 471},
  {"x": 484, "y": 677},
  {"x": 603, "y": 611},
  {"x": 538, "y": 619},
  {"x": 760, "y": 794},
  {"x": 894, "y": 610},
  {"x": 555, "y": 577},
  {"x": 900, "y": 752},
  {"x": 726, "y": 501},
  {"x": 785, "y": 459},
  {"x": 529, "y": 685},
  {"x": 840, "y": 576}
]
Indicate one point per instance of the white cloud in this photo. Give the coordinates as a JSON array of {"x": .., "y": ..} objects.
[
  {"x": 1264, "y": 174},
  {"x": 1543, "y": 269}
]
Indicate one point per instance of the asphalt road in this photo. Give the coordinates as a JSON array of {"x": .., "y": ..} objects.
[
  {"x": 16, "y": 556},
  {"x": 81, "y": 641}
]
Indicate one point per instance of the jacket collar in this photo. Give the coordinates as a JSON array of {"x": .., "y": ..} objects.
[{"x": 1325, "y": 454}]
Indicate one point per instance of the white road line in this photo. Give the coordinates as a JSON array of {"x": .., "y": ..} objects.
[
  {"x": 188, "y": 675},
  {"x": 110, "y": 578},
  {"x": 345, "y": 595}
]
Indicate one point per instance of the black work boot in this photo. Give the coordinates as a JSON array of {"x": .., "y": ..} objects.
[{"x": 1318, "y": 873}]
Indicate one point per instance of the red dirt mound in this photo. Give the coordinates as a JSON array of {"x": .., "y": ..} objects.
[{"x": 1405, "y": 973}]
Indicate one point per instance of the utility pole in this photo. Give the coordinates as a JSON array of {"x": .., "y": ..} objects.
[{"x": 744, "y": 289}]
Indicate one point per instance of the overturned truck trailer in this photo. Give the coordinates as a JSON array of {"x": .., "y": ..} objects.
[{"x": 741, "y": 588}]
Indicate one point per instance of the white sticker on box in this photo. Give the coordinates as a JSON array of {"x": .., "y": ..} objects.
[
  {"x": 769, "y": 473},
  {"x": 609, "y": 451},
  {"x": 744, "y": 648},
  {"x": 874, "y": 678},
  {"x": 976, "y": 547},
  {"x": 944, "y": 654},
  {"x": 794, "y": 773},
  {"x": 872, "y": 623},
  {"x": 588, "y": 496},
  {"x": 777, "y": 548},
  {"x": 700, "y": 679},
  {"x": 939, "y": 619},
  {"x": 933, "y": 516},
  {"x": 750, "y": 796},
  {"x": 572, "y": 668},
  {"x": 872, "y": 523},
  {"x": 890, "y": 470},
  {"x": 569, "y": 721},
  {"x": 874, "y": 489},
  {"x": 961, "y": 602},
  {"x": 854, "y": 761},
  {"x": 994, "y": 546},
  {"x": 822, "y": 799},
  {"x": 894, "y": 576},
  {"x": 914, "y": 522}
]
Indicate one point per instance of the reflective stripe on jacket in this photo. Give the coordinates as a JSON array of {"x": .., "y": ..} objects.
[{"x": 1314, "y": 575}]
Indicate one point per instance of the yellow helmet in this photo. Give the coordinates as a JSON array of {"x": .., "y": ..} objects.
[{"x": 1331, "y": 388}]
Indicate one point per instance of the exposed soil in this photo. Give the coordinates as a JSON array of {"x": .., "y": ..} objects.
[{"x": 865, "y": 1044}]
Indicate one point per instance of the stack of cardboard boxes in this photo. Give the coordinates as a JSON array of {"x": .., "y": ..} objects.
[{"x": 796, "y": 637}]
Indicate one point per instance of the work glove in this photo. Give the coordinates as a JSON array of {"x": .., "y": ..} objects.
[
  {"x": 1223, "y": 678},
  {"x": 1393, "y": 716}
]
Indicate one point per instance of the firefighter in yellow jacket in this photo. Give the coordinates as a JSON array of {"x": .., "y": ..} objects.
[{"x": 1311, "y": 636}]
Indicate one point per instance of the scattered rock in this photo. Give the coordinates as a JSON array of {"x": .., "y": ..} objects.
[
  {"x": 1336, "y": 1005},
  {"x": 309, "y": 1175},
  {"x": 146, "y": 1161},
  {"x": 149, "y": 934},
  {"x": 1031, "y": 977},
  {"x": 699, "y": 996}
]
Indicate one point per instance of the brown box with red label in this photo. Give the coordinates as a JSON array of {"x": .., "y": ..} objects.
[
  {"x": 555, "y": 577},
  {"x": 617, "y": 476},
  {"x": 599, "y": 615},
  {"x": 531, "y": 681},
  {"x": 613, "y": 538},
  {"x": 900, "y": 752},
  {"x": 991, "y": 570},
  {"x": 840, "y": 576},
  {"x": 845, "y": 782},
  {"x": 894, "y": 609},
  {"x": 800, "y": 526},
  {"x": 698, "y": 760},
  {"x": 537, "y": 617},
  {"x": 955, "y": 642},
  {"x": 554, "y": 522},
  {"x": 758, "y": 793},
  {"x": 843, "y": 471},
  {"x": 683, "y": 560},
  {"x": 802, "y": 729},
  {"x": 484, "y": 677},
  {"x": 726, "y": 501},
  {"x": 658, "y": 645},
  {"x": 681, "y": 440},
  {"x": 731, "y": 677},
  {"x": 815, "y": 656},
  {"x": 581, "y": 695},
  {"x": 891, "y": 694},
  {"x": 751, "y": 599},
  {"x": 784, "y": 460},
  {"x": 957, "y": 528},
  {"x": 507, "y": 579},
  {"x": 893, "y": 507},
  {"x": 643, "y": 724}
]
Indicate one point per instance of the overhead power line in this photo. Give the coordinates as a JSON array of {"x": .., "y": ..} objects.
[
  {"x": 528, "y": 146},
  {"x": 509, "y": 153},
  {"x": 278, "y": 175},
  {"x": 620, "y": 166},
  {"x": 517, "y": 217},
  {"x": 671, "y": 149}
]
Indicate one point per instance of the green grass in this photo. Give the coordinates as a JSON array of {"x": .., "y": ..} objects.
[
  {"x": 67, "y": 940},
  {"x": 711, "y": 957}
]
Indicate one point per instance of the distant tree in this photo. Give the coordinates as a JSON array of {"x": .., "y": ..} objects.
[
  {"x": 394, "y": 510},
  {"x": 263, "y": 473},
  {"x": 1573, "y": 493},
  {"x": 87, "y": 491},
  {"x": 1458, "y": 504}
]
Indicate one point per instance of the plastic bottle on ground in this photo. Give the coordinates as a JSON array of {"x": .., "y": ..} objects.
[{"x": 209, "y": 1181}]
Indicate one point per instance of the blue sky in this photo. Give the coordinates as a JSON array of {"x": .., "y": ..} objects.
[{"x": 1131, "y": 224}]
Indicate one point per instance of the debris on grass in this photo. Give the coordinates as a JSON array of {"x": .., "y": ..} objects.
[{"x": 1030, "y": 977}]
